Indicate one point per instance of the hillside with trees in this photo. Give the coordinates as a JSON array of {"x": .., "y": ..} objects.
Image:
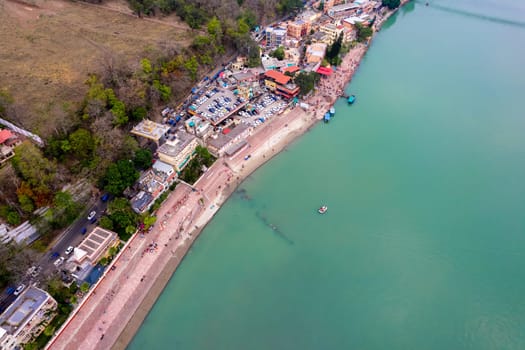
[{"x": 87, "y": 133}]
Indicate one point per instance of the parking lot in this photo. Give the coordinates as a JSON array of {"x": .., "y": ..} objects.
[
  {"x": 217, "y": 104},
  {"x": 264, "y": 108}
]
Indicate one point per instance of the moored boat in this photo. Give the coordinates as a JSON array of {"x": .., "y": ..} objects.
[
  {"x": 326, "y": 117},
  {"x": 323, "y": 209},
  {"x": 332, "y": 111},
  {"x": 351, "y": 99}
]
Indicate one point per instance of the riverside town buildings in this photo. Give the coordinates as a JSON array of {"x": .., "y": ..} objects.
[
  {"x": 275, "y": 36},
  {"x": 151, "y": 130},
  {"x": 280, "y": 84},
  {"x": 178, "y": 152}
]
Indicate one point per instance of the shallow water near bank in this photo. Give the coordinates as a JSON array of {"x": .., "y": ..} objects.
[{"x": 422, "y": 244}]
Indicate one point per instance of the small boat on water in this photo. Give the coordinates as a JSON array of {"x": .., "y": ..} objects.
[
  {"x": 351, "y": 99},
  {"x": 327, "y": 117},
  {"x": 332, "y": 111},
  {"x": 323, "y": 209}
]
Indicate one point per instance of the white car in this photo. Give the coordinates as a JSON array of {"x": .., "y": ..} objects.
[
  {"x": 20, "y": 289},
  {"x": 69, "y": 250},
  {"x": 59, "y": 261},
  {"x": 92, "y": 215}
]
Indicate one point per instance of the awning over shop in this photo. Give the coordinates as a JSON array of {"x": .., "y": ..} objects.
[{"x": 324, "y": 71}]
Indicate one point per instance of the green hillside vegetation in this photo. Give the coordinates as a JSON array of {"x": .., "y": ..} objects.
[{"x": 95, "y": 143}]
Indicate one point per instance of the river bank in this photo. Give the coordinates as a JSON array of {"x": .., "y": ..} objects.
[{"x": 117, "y": 306}]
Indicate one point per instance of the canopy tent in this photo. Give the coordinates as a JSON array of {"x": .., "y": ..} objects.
[{"x": 324, "y": 71}]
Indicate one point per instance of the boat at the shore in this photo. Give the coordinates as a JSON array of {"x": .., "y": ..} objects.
[
  {"x": 323, "y": 209},
  {"x": 351, "y": 99},
  {"x": 332, "y": 111},
  {"x": 327, "y": 117}
]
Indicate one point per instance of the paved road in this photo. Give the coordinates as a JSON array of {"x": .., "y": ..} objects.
[{"x": 72, "y": 236}]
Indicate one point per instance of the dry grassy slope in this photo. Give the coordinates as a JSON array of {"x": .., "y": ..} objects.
[{"x": 49, "y": 46}]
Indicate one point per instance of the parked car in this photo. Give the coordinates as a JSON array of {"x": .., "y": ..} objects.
[
  {"x": 36, "y": 272},
  {"x": 92, "y": 215},
  {"x": 59, "y": 261},
  {"x": 20, "y": 289},
  {"x": 83, "y": 231},
  {"x": 31, "y": 270},
  {"x": 104, "y": 197},
  {"x": 69, "y": 250}
]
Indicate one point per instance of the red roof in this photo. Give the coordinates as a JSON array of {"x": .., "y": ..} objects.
[
  {"x": 291, "y": 69},
  {"x": 324, "y": 70},
  {"x": 279, "y": 77},
  {"x": 5, "y": 135}
]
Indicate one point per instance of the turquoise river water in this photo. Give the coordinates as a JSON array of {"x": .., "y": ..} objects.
[{"x": 423, "y": 244}]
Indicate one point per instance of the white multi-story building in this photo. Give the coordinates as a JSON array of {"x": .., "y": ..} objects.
[
  {"x": 178, "y": 152},
  {"x": 275, "y": 36},
  {"x": 26, "y": 318}
]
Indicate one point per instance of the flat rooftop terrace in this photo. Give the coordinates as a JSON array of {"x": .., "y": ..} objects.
[
  {"x": 22, "y": 309},
  {"x": 150, "y": 130}
]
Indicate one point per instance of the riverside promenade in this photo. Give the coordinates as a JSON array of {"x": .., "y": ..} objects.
[{"x": 113, "y": 311}]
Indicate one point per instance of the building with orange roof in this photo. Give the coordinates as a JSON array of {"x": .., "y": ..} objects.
[
  {"x": 5, "y": 135},
  {"x": 280, "y": 84}
]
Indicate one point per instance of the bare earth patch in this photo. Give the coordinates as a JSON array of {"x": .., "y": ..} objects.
[{"x": 49, "y": 47}]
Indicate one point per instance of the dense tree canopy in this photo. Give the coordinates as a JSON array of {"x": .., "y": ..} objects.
[
  {"x": 119, "y": 176},
  {"x": 143, "y": 159},
  {"x": 123, "y": 218},
  {"x": 37, "y": 172},
  {"x": 306, "y": 82},
  {"x": 391, "y": 4},
  {"x": 278, "y": 53},
  {"x": 363, "y": 32},
  {"x": 332, "y": 52},
  {"x": 14, "y": 262}
]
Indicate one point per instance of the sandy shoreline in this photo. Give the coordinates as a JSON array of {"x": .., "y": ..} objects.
[{"x": 112, "y": 313}]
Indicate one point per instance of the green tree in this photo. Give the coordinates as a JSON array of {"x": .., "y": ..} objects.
[
  {"x": 164, "y": 90},
  {"x": 193, "y": 170},
  {"x": 37, "y": 171},
  {"x": 139, "y": 113},
  {"x": 332, "y": 53},
  {"x": 146, "y": 66},
  {"x": 13, "y": 218},
  {"x": 306, "y": 82},
  {"x": 66, "y": 210},
  {"x": 26, "y": 203},
  {"x": 149, "y": 221},
  {"x": 117, "y": 108},
  {"x": 106, "y": 222},
  {"x": 123, "y": 217},
  {"x": 287, "y": 6},
  {"x": 363, "y": 32},
  {"x": 202, "y": 43},
  {"x": 250, "y": 19},
  {"x": 82, "y": 144},
  {"x": 192, "y": 66},
  {"x": 119, "y": 176},
  {"x": 278, "y": 53},
  {"x": 215, "y": 30},
  {"x": 391, "y": 4},
  {"x": 84, "y": 287},
  {"x": 143, "y": 158}
]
